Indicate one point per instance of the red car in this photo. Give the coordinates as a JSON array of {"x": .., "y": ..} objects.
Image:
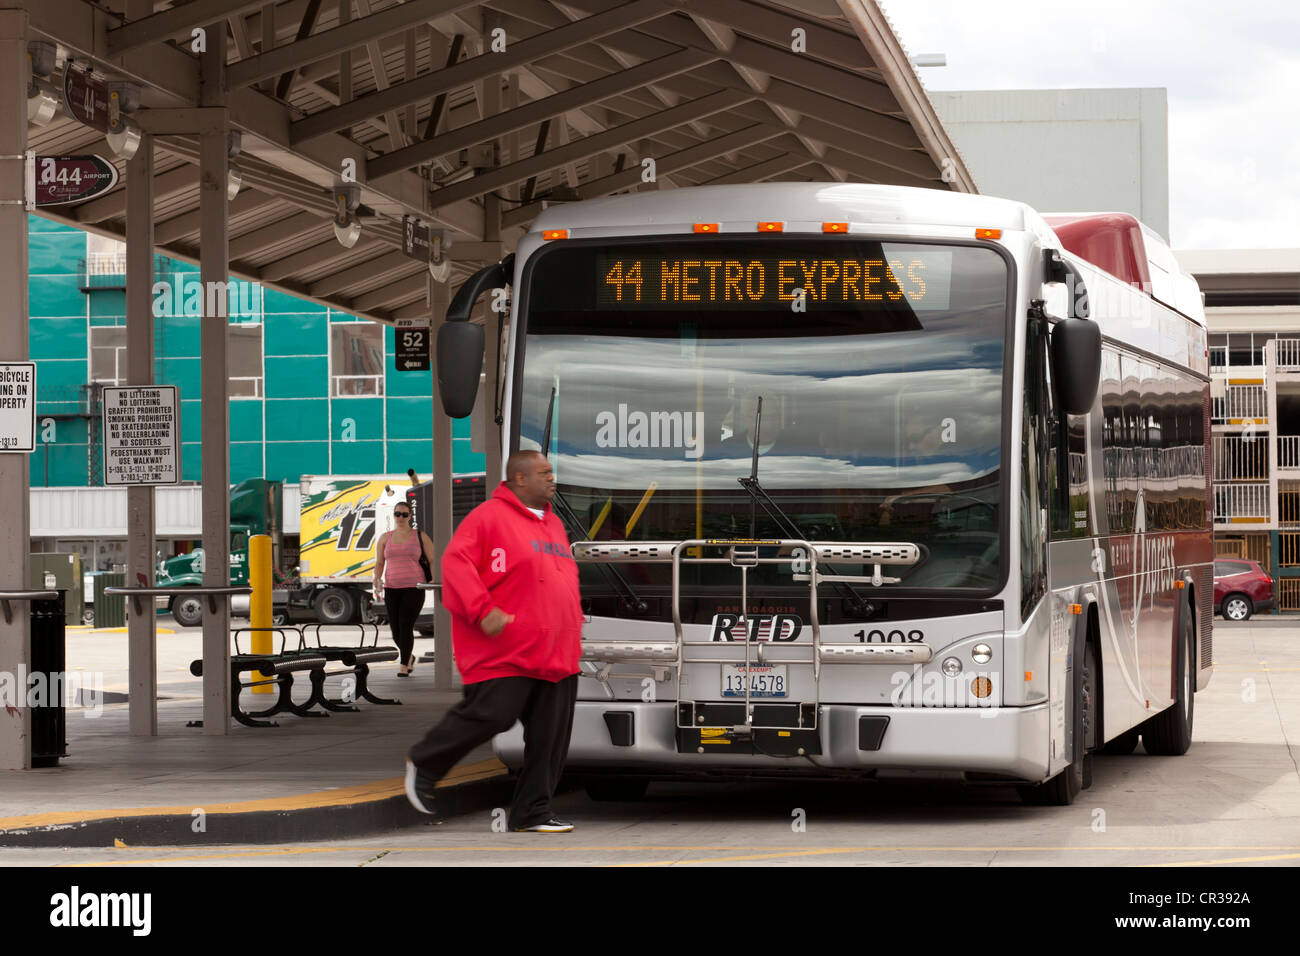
[{"x": 1241, "y": 588}]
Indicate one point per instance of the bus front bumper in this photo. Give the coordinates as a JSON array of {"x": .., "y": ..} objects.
[{"x": 643, "y": 738}]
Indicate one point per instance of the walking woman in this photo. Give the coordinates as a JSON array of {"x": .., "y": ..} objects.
[{"x": 398, "y": 575}]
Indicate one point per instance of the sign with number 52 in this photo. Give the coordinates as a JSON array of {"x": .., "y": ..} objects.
[{"x": 412, "y": 350}]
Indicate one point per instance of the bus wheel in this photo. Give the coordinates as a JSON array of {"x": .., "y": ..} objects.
[
  {"x": 187, "y": 609},
  {"x": 334, "y": 606},
  {"x": 1169, "y": 733},
  {"x": 1124, "y": 744},
  {"x": 616, "y": 790},
  {"x": 1091, "y": 702}
]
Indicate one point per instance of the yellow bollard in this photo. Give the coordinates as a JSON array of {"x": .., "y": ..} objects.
[{"x": 259, "y": 612}]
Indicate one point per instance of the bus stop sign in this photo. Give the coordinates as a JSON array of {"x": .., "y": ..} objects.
[
  {"x": 412, "y": 350},
  {"x": 86, "y": 98},
  {"x": 68, "y": 179}
]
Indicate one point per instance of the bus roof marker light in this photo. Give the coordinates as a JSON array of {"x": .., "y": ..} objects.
[
  {"x": 771, "y": 227},
  {"x": 555, "y": 234},
  {"x": 988, "y": 233},
  {"x": 981, "y": 687},
  {"x": 706, "y": 227},
  {"x": 835, "y": 227}
]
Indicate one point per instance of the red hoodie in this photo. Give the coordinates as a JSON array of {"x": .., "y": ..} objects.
[{"x": 503, "y": 555}]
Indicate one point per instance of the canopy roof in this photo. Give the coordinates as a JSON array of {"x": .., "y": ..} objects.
[{"x": 474, "y": 117}]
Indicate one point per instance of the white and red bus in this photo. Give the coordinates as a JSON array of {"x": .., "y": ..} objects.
[{"x": 863, "y": 479}]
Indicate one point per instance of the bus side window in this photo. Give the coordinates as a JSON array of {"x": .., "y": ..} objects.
[
  {"x": 1058, "y": 474},
  {"x": 1033, "y": 471}
]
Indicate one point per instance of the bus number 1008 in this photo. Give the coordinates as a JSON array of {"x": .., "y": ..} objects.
[{"x": 893, "y": 637}]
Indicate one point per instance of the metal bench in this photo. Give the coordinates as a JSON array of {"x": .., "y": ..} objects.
[
  {"x": 355, "y": 658},
  {"x": 282, "y": 667}
]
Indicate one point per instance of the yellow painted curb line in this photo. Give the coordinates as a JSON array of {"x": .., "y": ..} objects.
[
  {"x": 342, "y": 796},
  {"x": 112, "y": 630}
]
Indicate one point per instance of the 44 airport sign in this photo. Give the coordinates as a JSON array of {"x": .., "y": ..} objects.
[{"x": 68, "y": 179}]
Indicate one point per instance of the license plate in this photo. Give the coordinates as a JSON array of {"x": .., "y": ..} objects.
[{"x": 765, "y": 680}]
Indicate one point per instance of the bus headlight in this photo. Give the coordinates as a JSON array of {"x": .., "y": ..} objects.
[
  {"x": 952, "y": 667},
  {"x": 981, "y": 653}
]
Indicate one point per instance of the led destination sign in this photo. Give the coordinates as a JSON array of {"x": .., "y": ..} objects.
[{"x": 901, "y": 275}]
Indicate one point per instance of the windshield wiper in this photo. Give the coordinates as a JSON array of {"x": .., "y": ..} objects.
[
  {"x": 574, "y": 528},
  {"x": 783, "y": 522}
]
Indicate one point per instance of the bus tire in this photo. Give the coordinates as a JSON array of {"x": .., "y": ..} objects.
[
  {"x": 1124, "y": 744},
  {"x": 1091, "y": 708},
  {"x": 187, "y": 609},
  {"x": 1169, "y": 733},
  {"x": 616, "y": 789},
  {"x": 335, "y": 606}
]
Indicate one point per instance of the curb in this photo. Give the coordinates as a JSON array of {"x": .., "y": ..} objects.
[{"x": 327, "y": 815}]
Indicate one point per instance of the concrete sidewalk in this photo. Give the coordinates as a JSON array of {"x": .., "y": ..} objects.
[{"x": 310, "y": 778}]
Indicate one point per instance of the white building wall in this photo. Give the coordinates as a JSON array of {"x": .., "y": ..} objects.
[
  {"x": 1066, "y": 150},
  {"x": 101, "y": 512}
]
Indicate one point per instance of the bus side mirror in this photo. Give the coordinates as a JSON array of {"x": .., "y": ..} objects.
[
  {"x": 1076, "y": 364},
  {"x": 460, "y": 343},
  {"x": 460, "y": 359},
  {"x": 1065, "y": 296}
]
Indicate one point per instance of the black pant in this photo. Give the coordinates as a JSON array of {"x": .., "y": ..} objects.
[
  {"x": 492, "y": 707},
  {"x": 403, "y": 606}
]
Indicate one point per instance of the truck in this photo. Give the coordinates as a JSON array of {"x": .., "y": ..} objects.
[{"x": 323, "y": 571}]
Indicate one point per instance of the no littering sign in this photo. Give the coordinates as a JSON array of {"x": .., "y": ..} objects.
[
  {"x": 142, "y": 439},
  {"x": 18, "y": 406}
]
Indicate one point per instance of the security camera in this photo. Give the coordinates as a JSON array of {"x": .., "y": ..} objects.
[
  {"x": 42, "y": 101},
  {"x": 347, "y": 232},
  {"x": 125, "y": 140}
]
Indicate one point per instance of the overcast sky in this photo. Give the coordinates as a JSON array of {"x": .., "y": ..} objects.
[{"x": 1232, "y": 71}]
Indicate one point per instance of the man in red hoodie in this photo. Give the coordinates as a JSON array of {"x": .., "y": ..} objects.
[{"x": 511, "y": 585}]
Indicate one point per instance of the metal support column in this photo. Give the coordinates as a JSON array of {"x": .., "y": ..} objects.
[
  {"x": 15, "y": 637},
  {"x": 142, "y": 649},
  {"x": 214, "y": 269},
  {"x": 439, "y": 299},
  {"x": 491, "y": 105}
]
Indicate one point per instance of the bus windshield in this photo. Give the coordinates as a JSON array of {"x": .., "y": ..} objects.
[{"x": 879, "y": 365}]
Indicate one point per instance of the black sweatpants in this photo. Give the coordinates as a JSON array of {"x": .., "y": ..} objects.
[
  {"x": 492, "y": 707},
  {"x": 403, "y": 605}
]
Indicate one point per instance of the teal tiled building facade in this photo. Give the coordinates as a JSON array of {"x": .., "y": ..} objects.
[{"x": 314, "y": 391}]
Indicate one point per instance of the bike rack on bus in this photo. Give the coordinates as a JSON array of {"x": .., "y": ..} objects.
[{"x": 745, "y": 554}]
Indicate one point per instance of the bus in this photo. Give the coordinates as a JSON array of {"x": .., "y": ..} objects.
[{"x": 862, "y": 480}]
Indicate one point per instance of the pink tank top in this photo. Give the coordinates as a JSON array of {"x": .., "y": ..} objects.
[{"x": 402, "y": 563}]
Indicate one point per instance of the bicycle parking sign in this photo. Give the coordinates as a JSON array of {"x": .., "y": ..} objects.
[{"x": 18, "y": 406}]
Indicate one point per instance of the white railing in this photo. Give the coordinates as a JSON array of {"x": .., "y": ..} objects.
[
  {"x": 246, "y": 386},
  {"x": 1240, "y": 402},
  {"x": 1288, "y": 451},
  {"x": 1241, "y": 503},
  {"x": 1240, "y": 458},
  {"x": 351, "y": 385},
  {"x": 1288, "y": 355},
  {"x": 106, "y": 263}
]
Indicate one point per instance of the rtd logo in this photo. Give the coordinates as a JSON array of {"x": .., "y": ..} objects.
[{"x": 782, "y": 628}]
